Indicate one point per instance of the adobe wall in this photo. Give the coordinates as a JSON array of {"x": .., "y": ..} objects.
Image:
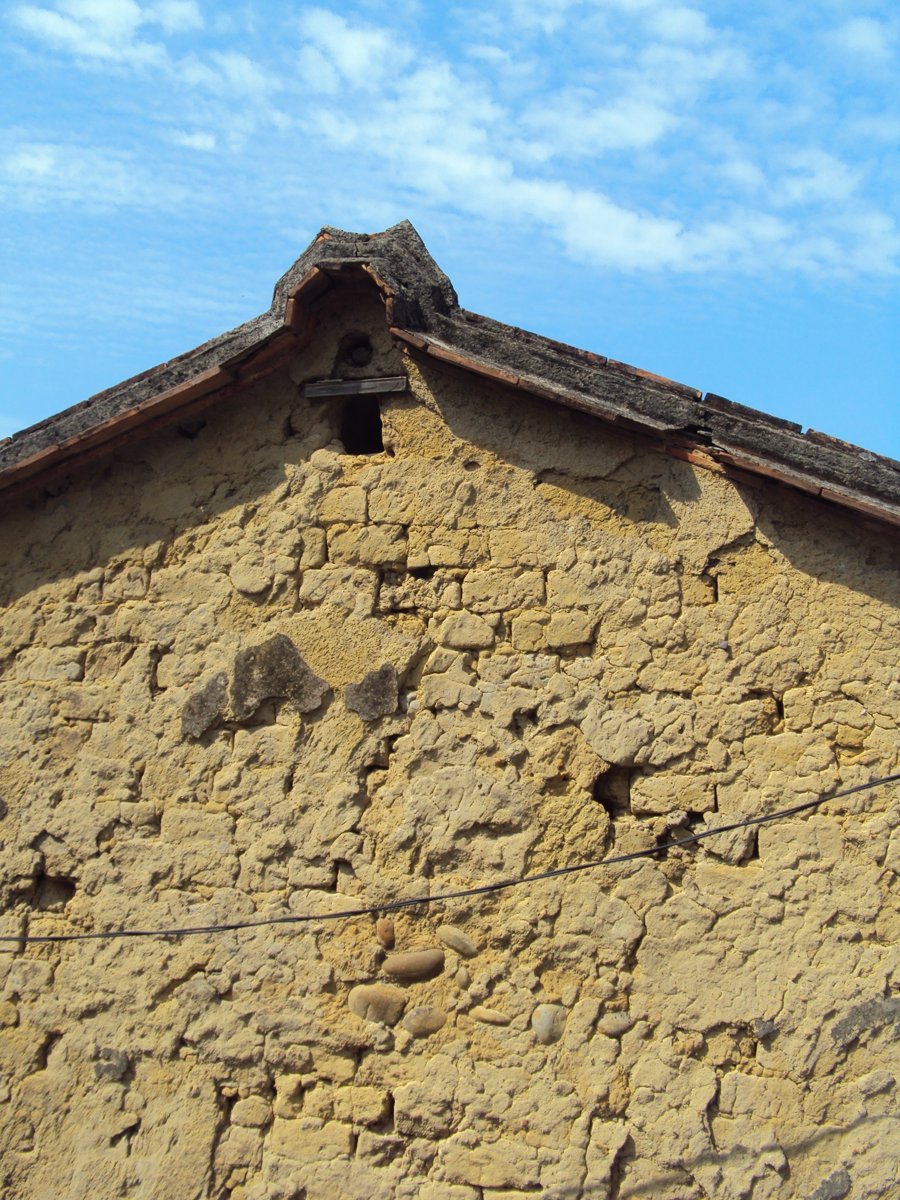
[{"x": 245, "y": 674}]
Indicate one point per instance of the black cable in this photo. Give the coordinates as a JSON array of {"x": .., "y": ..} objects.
[{"x": 463, "y": 893}]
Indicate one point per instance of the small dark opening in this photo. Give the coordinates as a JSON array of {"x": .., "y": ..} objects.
[
  {"x": 522, "y": 720},
  {"x": 358, "y": 351},
  {"x": 613, "y": 791},
  {"x": 192, "y": 428},
  {"x": 422, "y": 572},
  {"x": 361, "y": 426},
  {"x": 52, "y": 892}
]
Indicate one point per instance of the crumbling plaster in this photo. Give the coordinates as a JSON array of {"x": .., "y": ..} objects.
[{"x": 244, "y": 674}]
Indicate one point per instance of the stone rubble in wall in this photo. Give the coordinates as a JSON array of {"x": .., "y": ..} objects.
[{"x": 584, "y": 646}]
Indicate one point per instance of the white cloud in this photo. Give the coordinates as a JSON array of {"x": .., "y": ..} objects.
[
  {"x": 864, "y": 38},
  {"x": 361, "y": 56},
  {"x": 112, "y": 20},
  {"x": 576, "y": 124},
  {"x": 672, "y": 145},
  {"x": 816, "y": 177},
  {"x": 228, "y": 73},
  {"x": 680, "y": 24},
  {"x": 176, "y": 16},
  {"x": 91, "y": 29},
  {"x": 745, "y": 174},
  {"x": 547, "y": 16},
  {"x": 318, "y": 71},
  {"x": 29, "y": 162},
  {"x": 876, "y": 127},
  {"x": 37, "y": 174},
  {"x": 108, "y": 29},
  {"x": 196, "y": 140},
  {"x": 444, "y": 135}
]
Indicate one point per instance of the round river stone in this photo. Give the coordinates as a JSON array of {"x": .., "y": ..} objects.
[
  {"x": 548, "y": 1022},
  {"x": 490, "y": 1016},
  {"x": 414, "y": 964},
  {"x": 377, "y": 1002},
  {"x": 453, "y": 937},
  {"x": 424, "y": 1019}
]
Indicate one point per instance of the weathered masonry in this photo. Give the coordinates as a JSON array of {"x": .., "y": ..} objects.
[{"x": 375, "y": 598}]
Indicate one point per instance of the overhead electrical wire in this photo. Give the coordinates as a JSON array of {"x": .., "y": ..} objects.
[{"x": 484, "y": 889}]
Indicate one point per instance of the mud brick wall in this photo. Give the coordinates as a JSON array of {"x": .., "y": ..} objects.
[{"x": 245, "y": 673}]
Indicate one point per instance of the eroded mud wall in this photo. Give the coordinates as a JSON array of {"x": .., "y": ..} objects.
[{"x": 244, "y": 673}]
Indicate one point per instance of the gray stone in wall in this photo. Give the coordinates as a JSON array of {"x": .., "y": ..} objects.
[
  {"x": 204, "y": 707},
  {"x": 376, "y": 695},
  {"x": 274, "y": 670}
]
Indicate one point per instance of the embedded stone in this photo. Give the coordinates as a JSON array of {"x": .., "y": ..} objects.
[
  {"x": 489, "y": 1016},
  {"x": 456, "y": 940},
  {"x": 204, "y": 707},
  {"x": 274, "y": 670},
  {"x": 548, "y": 1022},
  {"x": 384, "y": 931},
  {"x": 361, "y": 1105},
  {"x": 253, "y": 1112},
  {"x": 377, "y": 1002},
  {"x": 617, "y": 736},
  {"x": 424, "y": 1019},
  {"x": 659, "y": 795},
  {"x": 414, "y": 964},
  {"x": 110, "y": 1063},
  {"x": 875, "y": 1082},
  {"x": 505, "y": 1165},
  {"x": 376, "y": 695},
  {"x": 614, "y": 1024},
  {"x": 250, "y": 577},
  {"x": 466, "y": 631},
  {"x": 569, "y": 629}
]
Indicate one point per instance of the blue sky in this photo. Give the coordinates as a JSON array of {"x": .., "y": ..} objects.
[{"x": 707, "y": 190}]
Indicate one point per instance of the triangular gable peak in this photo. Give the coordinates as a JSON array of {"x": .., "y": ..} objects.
[{"x": 425, "y": 319}]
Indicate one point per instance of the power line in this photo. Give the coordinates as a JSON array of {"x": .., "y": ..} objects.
[{"x": 499, "y": 885}]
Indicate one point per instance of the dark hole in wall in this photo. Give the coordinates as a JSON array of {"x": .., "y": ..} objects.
[
  {"x": 192, "y": 428},
  {"x": 522, "y": 720},
  {"x": 556, "y": 785},
  {"x": 360, "y": 429},
  {"x": 50, "y": 1042},
  {"x": 357, "y": 350},
  {"x": 52, "y": 892},
  {"x": 613, "y": 790},
  {"x": 422, "y": 572}
]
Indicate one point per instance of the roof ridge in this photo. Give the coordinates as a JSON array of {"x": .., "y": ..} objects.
[{"x": 422, "y": 309}]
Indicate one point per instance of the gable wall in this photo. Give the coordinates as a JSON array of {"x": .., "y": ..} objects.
[{"x": 595, "y": 647}]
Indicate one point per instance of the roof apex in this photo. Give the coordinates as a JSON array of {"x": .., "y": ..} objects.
[{"x": 397, "y": 256}]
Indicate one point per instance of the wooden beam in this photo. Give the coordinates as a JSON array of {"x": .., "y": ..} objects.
[{"x": 355, "y": 387}]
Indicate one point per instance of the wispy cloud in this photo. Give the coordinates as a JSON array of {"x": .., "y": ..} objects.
[
  {"x": 228, "y": 73},
  {"x": 865, "y": 40},
  {"x": 197, "y": 139},
  {"x": 108, "y": 30},
  {"x": 339, "y": 53},
  {"x": 671, "y": 142},
  {"x": 38, "y": 174},
  {"x": 456, "y": 143}
]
